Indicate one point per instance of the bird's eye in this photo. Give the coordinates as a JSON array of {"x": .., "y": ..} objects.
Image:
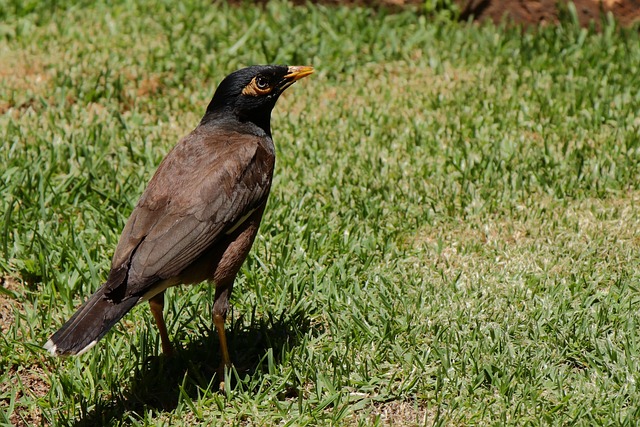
[
  {"x": 262, "y": 83},
  {"x": 259, "y": 86}
]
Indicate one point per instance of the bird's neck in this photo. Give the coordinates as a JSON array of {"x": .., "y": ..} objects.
[
  {"x": 234, "y": 121},
  {"x": 261, "y": 120}
]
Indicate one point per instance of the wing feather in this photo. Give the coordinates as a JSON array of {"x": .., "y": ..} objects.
[{"x": 200, "y": 190}]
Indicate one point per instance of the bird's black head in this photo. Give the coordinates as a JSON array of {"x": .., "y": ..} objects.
[{"x": 250, "y": 94}]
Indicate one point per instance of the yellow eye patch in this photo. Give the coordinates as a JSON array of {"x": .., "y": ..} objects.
[{"x": 255, "y": 89}]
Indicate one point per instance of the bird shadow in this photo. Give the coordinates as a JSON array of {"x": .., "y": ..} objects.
[{"x": 159, "y": 382}]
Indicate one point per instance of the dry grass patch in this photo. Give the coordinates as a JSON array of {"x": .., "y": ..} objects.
[
  {"x": 385, "y": 86},
  {"x": 401, "y": 413},
  {"x": 22, "y": 73},
  {"x": 560, "y": 240}
]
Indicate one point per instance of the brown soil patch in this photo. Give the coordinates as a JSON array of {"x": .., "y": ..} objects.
[
  {"x": 527, "y": 12},
  {"x": 30, "y": 381},
  {"x": 8, "y": 304},
  {"x": 540, "y": 12},
  {"x": 369, "y": 3},
  {"x": 27, "y": 382}
]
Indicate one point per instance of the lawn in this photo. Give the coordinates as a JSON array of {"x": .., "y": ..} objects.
[{"x": 452, "y": 237}]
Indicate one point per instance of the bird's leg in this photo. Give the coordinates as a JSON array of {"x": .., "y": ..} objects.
[
  {"x": 220, "y": 307},
  {"x": 157, "y": 306},
  {"x": 218, "y": 320}
]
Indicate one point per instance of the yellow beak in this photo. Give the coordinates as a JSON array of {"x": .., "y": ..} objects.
[{"x": 297, "y": 72}]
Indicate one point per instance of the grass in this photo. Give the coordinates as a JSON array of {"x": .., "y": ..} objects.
[{"x": 451, "y": 239}]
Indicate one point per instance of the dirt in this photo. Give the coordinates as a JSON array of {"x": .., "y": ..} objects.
[
  {"x": 541, "y": 12},
  {"x": 526, "y": 12},
  {"x": 29, "y": 380},
  {"x": 7, "y": 303},
  {"x": 32, "y": 382}
]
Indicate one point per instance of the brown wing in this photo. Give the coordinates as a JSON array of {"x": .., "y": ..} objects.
[{"x": 204, "y": 186}]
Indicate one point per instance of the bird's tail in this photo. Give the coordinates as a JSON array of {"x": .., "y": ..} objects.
[{"x": 90, "y": 323}]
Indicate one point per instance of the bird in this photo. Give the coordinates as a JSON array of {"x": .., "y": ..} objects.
[{"x": 198, "y": 216}]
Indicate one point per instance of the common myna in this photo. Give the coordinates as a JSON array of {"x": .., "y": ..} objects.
[{"x": 199, "y": 215}]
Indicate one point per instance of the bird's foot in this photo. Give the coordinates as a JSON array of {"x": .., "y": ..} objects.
[{"x": 223, "y": 371}]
